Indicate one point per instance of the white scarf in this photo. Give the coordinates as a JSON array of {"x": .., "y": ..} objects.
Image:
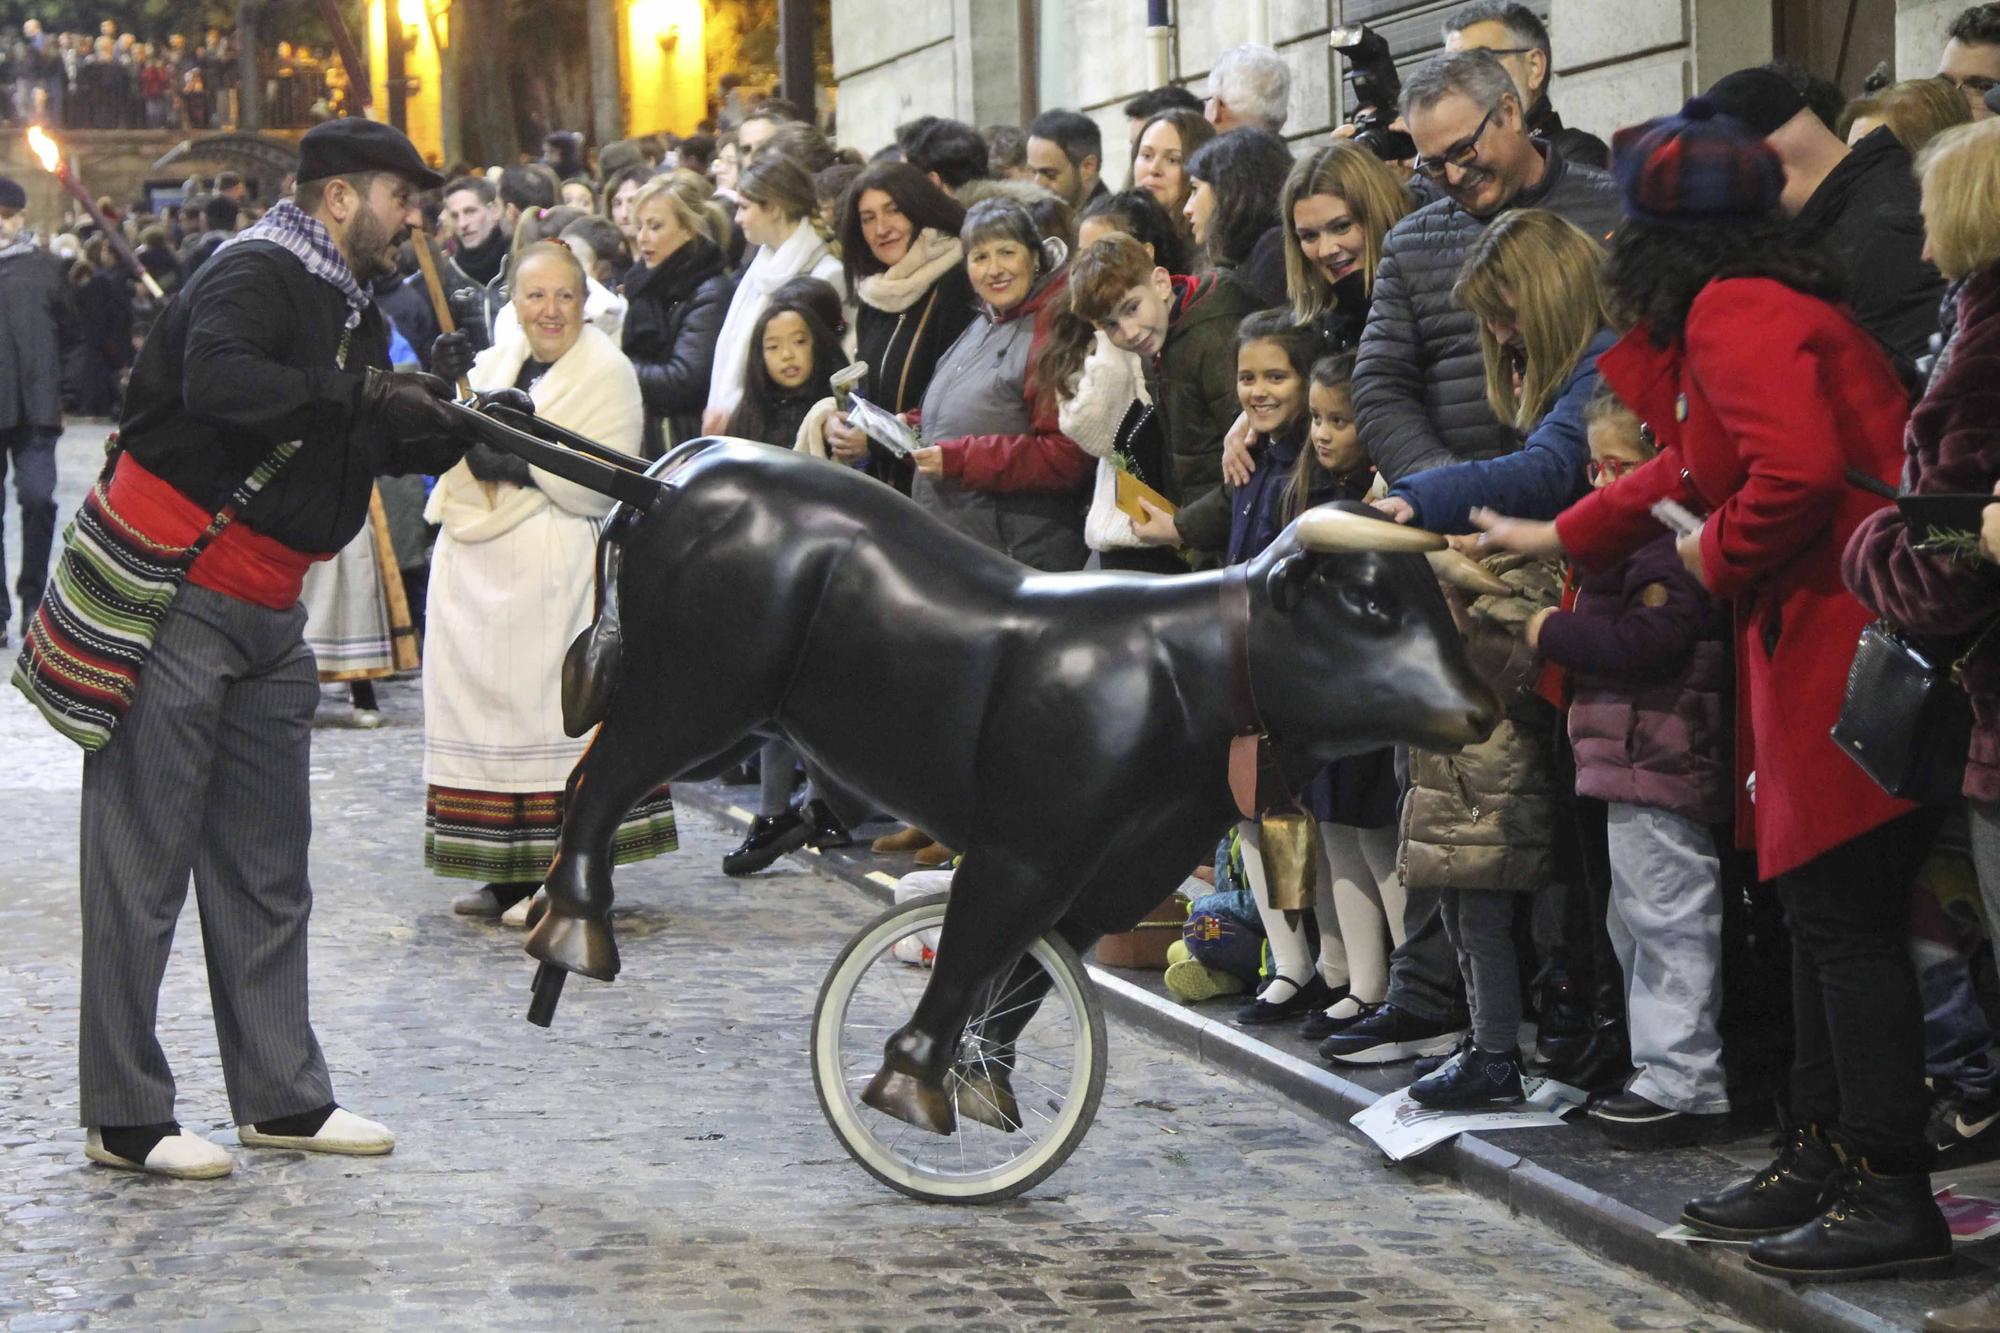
[
  {"x": 899, "y": 287},
  {"x": 591, "y": 389},
  {"x": 801, "y": 255}
]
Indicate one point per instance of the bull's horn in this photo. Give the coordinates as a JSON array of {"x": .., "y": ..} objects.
[
  {"x": 1462, "y": 571},
  {"x": 1332, "y": 530}
]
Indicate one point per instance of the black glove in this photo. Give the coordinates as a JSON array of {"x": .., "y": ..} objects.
[
  {"x": 451, "y": 357},
  {"x": 408, "y": 405},
  {"x": 490, "y": 464},
  {"x": 517, "y": 399}
]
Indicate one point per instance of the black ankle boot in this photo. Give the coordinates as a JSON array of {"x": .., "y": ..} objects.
[
  {"x": 771, "y": 836},
  {"x": 825, "y": 827},
  {"x": 1873, "y": 1226},
  {"x": 1788, "y": 1193},
  {"x": 1604, "y": 1065}
]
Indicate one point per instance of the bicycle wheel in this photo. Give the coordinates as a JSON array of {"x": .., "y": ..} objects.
[{"x": 1045, "y": 1081}]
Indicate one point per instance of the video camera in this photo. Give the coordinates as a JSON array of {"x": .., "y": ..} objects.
[{"x": 1377, "y": 88}]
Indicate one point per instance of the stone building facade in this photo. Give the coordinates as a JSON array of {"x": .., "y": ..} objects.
[{"x": 1617, "y": 61}]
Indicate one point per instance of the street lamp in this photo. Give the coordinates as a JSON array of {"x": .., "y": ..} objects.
[{"x": 50, "y": 156}]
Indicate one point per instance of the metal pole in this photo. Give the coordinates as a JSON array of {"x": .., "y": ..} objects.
[
  {"x": 250, "y": 83},
  {"x": 1260, "y": 22},
  {"x": 795, "y": 56},
  {"x": 1159, "y": 44},
  {"x": 1028, "y": 43}
]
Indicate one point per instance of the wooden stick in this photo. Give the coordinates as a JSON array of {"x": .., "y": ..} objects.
[
  {"x": 440, "y": 307},
  {"x": 402, "y": 629}
]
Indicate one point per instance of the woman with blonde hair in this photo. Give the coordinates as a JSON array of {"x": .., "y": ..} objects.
[
  {"x": 1337, "y": 205},
  {"x": 678, "y": 295},
  {"x": 1916, "y": 111},
  {"x": 779, "y": 213},
  {"x": 1532, "y": 281}
]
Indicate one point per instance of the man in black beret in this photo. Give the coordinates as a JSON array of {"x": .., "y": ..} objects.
[
  {"x": 38, "y": 324},
  {"x": 271, "y": 361},
  {"x": 1860, "y": 203}
]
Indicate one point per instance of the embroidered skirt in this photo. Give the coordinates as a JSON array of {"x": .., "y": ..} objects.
[{"x": 509, "y": 837}]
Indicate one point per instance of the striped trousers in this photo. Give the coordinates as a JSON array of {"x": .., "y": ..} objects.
[{"x": 206, "y": 775}]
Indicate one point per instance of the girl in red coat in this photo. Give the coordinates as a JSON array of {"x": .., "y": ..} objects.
[{"x": 1763, "y": 392}]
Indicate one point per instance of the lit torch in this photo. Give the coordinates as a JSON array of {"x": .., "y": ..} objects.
[{"x": 45, "y": 150}]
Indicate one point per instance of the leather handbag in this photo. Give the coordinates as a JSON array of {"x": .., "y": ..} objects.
[{"x": 1905, "y": 720}]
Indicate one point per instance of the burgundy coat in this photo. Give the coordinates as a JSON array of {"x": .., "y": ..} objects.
[
  {"x": 1760, "y": 411},
  {"x": 1952, "y": 446},
  {"x": 1649, "y": 716}
]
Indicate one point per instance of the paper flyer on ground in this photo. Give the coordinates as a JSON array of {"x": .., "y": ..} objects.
[{"x": 1402, "y": 1129}]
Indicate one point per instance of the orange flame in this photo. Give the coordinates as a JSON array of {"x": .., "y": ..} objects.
[{"x": 44, "y": 148}]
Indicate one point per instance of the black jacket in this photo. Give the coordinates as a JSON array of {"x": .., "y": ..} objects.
[
  {"x": 1419, "y": 379},
  {"x": 1262, "y": 270},
  {"x": 408, "y": 306},
  {"x": 38, "y": 324},
  {"x": 1574, "y": 145},
  {"x": 475, "y": 304},
  {"x": 1865, "y": 212},
  {"x": 242, "y": 359},
  {"x": 902, "y": 352},
  {"x": 673, "y": 316}
]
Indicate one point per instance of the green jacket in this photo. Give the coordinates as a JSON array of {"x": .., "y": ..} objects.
[{"x": 1193, "y": 384}]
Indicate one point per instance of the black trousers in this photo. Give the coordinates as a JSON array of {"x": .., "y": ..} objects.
[
  {"x": 1858, "y": 1023},
  {"x": 32, "y": 451}
]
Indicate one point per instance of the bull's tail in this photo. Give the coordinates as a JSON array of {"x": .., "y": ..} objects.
[{"x": 594, "y": 664}]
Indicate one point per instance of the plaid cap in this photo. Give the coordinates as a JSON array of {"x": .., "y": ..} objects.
[{"x": 1699, "y": 166}]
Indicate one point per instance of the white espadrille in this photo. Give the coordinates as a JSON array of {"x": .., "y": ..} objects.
[
  {"x": 517, "y": 915},
  {"x": 182, "y": 1156},
  {"x": 343, "y": 1132}
]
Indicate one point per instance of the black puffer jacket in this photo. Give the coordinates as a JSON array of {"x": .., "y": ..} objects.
[
  {"x": 674, "y": 316},
  {"x": 38, "y": 325},
  {"x": 1419, "y": 383}
]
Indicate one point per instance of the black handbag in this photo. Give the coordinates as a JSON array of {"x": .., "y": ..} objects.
[{"x": 1905, "y": 719}]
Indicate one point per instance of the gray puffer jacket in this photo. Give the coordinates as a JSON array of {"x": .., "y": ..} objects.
[{"x": 1419, "y": 383}]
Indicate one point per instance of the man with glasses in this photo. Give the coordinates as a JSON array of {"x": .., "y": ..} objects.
[
  {"x": 1420, "y": 394},
  {"x": 1520, "y": 41},
  {"x": 1971, "y": 59}
]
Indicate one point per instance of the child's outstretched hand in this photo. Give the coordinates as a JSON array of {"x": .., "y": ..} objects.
[
  {"x": 1519, "y": 535},
  {"x": 1396, "y": 507}
]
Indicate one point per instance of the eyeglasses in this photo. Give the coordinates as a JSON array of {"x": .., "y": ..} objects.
[
  {"x": 1608, "y": 469},
  {"x": 1461, "y": 154}
]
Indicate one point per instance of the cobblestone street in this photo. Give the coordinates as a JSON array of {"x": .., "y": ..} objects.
[{"x": 657, "y": 1158}]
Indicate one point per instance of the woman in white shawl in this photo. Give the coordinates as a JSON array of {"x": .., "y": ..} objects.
[
  {"x": 511, "y": 586},
  {"x": 780, "y": 213}
]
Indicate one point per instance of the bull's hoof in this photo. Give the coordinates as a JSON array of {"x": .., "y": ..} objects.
[
  {"x": 583, "y": 945},
  {"x": 909, "y": 1099},
  {"x": 986, "y": 1094}
]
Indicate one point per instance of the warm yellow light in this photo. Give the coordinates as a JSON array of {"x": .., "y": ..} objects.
[
  {"x": 412, "y": 12},
  {"x": 44, "y": 148}
]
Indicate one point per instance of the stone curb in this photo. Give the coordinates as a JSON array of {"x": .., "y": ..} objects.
[{"x": 1593, "y": 1220}]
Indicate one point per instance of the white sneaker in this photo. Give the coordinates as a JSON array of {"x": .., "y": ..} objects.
[
  {"x": 517, "y": 915},
  {"x": 182, "y": 1156},
  {"x": 343, "y": 1132}
]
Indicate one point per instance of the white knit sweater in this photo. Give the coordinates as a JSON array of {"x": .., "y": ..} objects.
[{"x": 1111, "y": 381}]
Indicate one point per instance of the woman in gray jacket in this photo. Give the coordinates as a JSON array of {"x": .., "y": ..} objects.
[{"x": 996, "y": 465}]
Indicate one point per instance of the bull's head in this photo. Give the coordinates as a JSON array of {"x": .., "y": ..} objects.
[{"x": 1352, "y": 645}]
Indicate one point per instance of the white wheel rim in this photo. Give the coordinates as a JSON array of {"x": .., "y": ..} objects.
[{"x": 976, "y": 1161}]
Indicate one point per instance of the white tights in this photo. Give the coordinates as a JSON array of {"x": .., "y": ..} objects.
[{"x": 1358, "y": 874}]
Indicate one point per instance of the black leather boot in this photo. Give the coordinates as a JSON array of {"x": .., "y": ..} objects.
[
  {"x": 771, "y": 836},
  {"x": 825, "y": 828},
  {"x": 1604, "y": 1065},
  {"x": 1786, "y": 1194},
  {"x": 1873, "y": 1226}
]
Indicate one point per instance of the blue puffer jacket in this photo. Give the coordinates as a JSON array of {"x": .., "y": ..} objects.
[{"x": 1537, "y": 481}]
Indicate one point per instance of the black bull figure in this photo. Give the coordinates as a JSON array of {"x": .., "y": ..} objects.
[{"x": 1072, "y": 733}]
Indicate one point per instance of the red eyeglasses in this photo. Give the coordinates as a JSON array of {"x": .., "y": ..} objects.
[{"x": 1608, "y": 469}]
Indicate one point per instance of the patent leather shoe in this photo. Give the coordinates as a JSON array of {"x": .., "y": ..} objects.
[{"x": 771, "y": 836}]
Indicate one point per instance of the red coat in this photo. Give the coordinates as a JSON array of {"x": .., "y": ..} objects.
[{"x": 1771, "y": 397}]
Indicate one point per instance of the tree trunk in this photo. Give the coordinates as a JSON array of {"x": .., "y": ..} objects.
[
  {"x": 479, "y": 31},
  {"x": 249, "y": 82},
  {"x": 607, "y": 109}
]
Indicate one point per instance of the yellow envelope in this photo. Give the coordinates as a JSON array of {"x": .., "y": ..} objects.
[{"x": 1131, "y": 490}]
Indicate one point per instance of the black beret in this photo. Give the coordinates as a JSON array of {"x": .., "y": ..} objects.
[
  {"x": 11, "y": 193},
  {"x": 1761, "y": 98},
  {"x": 353, "y": 146}
]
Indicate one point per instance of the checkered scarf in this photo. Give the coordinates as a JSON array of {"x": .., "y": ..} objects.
[{"x": 306, "y": 236}]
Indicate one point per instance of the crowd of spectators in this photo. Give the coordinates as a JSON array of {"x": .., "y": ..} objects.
[
  {"x": 1516, "y": 337},
  {"x": 114, "y": 80}
]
